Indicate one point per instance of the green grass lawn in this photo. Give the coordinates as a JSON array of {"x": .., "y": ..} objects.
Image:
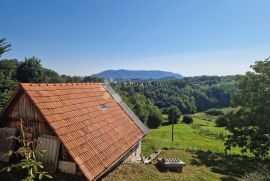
[
  {"x": 201, "y": 135},
  {"x": 200, "y": 145}
]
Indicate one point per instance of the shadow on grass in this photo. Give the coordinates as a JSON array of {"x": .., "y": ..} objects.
[
  {"x": 232, "y": 165},
  {"x": 166, "y": 123},
  {"x": 164, "y": 170}
]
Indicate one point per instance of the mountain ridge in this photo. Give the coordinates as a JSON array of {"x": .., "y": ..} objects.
[{"x": 138, "y": 74}]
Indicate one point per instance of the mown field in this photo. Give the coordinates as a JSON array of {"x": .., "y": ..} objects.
[{"x": 200, "y": 145}]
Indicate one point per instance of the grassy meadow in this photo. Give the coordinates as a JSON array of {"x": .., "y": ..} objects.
[{"x": 200, "y": 145}]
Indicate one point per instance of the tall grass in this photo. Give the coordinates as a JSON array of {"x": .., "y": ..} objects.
[{"x": 220, "y": 135}]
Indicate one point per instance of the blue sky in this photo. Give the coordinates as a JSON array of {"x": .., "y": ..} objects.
[{"x": 191, "y": 37}]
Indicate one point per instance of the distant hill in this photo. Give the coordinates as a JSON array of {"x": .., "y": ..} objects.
[{"x": 138, "y": 74}]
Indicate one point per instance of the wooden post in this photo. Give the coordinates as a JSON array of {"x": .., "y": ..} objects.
[{"x": 172, "y": 125}]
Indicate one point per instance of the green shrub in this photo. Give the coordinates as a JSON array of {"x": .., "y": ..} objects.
[
  {"x": 222, "y": 121},
  {"x": 187, "y": 119}
]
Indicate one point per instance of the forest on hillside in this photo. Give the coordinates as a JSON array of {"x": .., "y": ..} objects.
[
  {"x": 190, "y": 95},
  {"x": 186, "y": 96}
]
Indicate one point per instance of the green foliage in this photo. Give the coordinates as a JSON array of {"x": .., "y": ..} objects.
[
  {"x": 144, "y": 109},
  {"x": 70, "y": 79},
  {"x": 92, "y": 79},
  {"x": 190, "y": 94},
  {"x": 9, "y": 67},
  {"x": 187, "y": 119},
  {"x": 30, "y": 71},
  {"x": 7, "y": 73},
  {"x": 155, "y": 117},
  {"x": 29, "y": 162},
  {"x": 222, "y": 120},
  {"x": 4, "y": 46},
  {"x": 51, "y": 76},
  {"x": 174, "y": 114},
  {"x": 7, "y": 84},
  {"x": 250, "y": 125}
]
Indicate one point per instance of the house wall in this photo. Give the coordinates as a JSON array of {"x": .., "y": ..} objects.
[
  {"x": 23, "y": 108},
  {"x": 135, "y": 154}
]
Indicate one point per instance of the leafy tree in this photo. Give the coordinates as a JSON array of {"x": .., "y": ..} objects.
[
  {"x": 69, "y": 79},
  {"x": 51, "y": 76},
  {"x": 155, "y": 118},
  {"x": 9, "y": 67},
  {"x": 30, "y": 71},
  {"x": 143, "y": 108},
  {"x": 250, "y": 124},
  {"x": 92, "y": 79},
  {"x": 174, "y": 114},
  {"x": 140, "y": 106},
  {"x": 7, "y": 85},
  {"x": 29, "y": 154},
  {"x": 4, "y": 46}
]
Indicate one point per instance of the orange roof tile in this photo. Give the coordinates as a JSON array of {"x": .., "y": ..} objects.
[{"x": 94, "y": 137}]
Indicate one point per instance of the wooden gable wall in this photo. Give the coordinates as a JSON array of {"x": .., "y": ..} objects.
[{"x": 23, "y": 108}]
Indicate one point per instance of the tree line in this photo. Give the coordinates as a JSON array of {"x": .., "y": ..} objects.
[{"x": 190, "y": 95}]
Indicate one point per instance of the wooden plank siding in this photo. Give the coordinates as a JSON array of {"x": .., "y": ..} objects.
[
  {"x": 50, "y": 157},
  {"x": 23, "y": 108},
  {"x": 7, "y": 143}
]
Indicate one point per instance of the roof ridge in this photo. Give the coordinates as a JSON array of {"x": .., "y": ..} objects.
[{"x": 55, "y": 84}]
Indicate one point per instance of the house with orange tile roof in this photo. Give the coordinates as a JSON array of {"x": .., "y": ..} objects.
[{"x": 85, "y": 128}]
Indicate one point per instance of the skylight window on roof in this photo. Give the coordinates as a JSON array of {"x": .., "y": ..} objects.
[{"x": 103, "y": 106}]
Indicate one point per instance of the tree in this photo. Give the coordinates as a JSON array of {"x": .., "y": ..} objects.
[
  {"x": 174, "y": 114},
  {"x": 92, "y": 79},
  {"x": 4, "y": 46},
  {"x": 7, "y": 84},
  {"x": 67, "y": 78},
  {"x": 30, "y": 71},
  {"x": 141, "y": 108},
  {"x": 155, "y": 118},
  {"x": 250, "y": 124},
  {"x": 51, "y": 76},
  {"x": 9, "y": 67}
]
